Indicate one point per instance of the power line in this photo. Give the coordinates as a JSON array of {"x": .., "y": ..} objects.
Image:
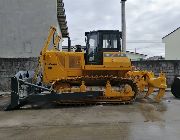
[{"x": 144, "y": 41}]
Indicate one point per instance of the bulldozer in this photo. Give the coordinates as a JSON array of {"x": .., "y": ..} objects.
[
  {"x": 99, "y": 73},
  {"x": 101, "y": 67}
]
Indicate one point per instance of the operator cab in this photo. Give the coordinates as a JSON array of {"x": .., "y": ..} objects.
[{"x": 101, "y": 41}]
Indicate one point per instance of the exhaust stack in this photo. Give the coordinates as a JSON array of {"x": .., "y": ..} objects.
[
  {"x": 69, "y": 44},
  {"x": 123, "y": 20}
]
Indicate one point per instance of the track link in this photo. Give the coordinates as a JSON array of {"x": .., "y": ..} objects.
[{"x": 103, "y": 99}]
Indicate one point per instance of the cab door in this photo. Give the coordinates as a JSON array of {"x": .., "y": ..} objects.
[{"x": 92, "y": 48}]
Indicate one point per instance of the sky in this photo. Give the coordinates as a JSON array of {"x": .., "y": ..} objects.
[{"x": 147, "y": 21}]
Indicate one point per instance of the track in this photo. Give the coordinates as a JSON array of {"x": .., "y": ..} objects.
[{"x": 101, "y": 80}]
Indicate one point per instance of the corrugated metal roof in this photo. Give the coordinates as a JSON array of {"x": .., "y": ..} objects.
[
  {"x": 136, "y": 53},
  {"x": 61, "y": 16}
]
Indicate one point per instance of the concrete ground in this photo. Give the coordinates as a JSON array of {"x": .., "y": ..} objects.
[{"x": 142, "y": 120}]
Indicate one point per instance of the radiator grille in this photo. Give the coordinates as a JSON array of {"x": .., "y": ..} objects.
[
  {"x": 61, "y": 59},
  {"x": 74, "y": 61}
]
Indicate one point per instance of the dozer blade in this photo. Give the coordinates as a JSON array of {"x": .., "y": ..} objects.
[{"x": 19, "y": 98}]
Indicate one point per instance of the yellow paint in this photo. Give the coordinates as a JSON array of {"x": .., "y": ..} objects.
[{"x": 57, "y": 65}]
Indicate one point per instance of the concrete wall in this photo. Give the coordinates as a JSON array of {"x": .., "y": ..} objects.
[
  {"x": 10, "y": 66},
  {"x": 169, "y": 67},
  {"x": 24, "y": 26},
  {"x": 172, "y": 46}
]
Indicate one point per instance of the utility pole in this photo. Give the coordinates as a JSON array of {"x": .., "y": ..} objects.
[{"x": 123, "y": 23}]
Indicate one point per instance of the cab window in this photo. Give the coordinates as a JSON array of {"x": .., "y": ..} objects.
[
  {"x": 92, "y": 47},
  {"x": 110, "y": 41}
]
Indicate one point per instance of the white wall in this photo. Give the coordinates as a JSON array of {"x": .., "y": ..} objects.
[
  {"x": 24, "y": 26},
  {"x": 172, "y": 46}
]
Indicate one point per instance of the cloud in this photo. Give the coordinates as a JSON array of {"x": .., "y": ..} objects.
[{"x": 146, "y": 20}]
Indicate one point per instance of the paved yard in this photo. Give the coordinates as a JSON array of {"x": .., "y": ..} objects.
[{"x": 142, "y": 120}]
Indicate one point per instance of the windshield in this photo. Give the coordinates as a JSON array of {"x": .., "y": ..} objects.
[
  {"x": 92, "y": 46},
  {"x": 109, "y": 41}
]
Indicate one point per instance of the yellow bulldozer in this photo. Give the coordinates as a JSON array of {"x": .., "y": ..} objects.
[
  {"x": 101, "y": 66},
  {"x": 97, "y": 74}
]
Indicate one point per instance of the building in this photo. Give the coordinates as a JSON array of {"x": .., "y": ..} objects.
[
  {"x": 172, "y": 45},
  {"x": 24, "y": 25},
  {"x": 156, "y": 58},
  {"x": 135, "y": 56}
]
